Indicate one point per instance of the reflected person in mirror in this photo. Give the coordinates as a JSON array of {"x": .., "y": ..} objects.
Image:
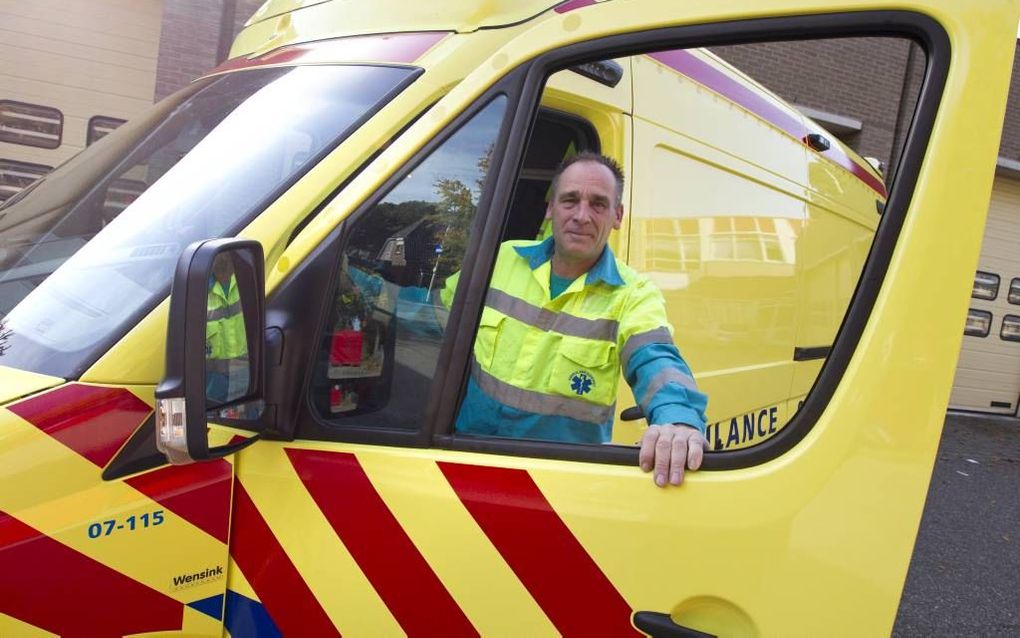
[
  {"x": 226, "y": 344},
  {"x": 562, "y": 317}
]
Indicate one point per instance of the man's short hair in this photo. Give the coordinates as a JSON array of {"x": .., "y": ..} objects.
[{"x": 598, "y": 158}]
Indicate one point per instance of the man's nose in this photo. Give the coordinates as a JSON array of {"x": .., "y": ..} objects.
[{"x": 583, "y": 212}]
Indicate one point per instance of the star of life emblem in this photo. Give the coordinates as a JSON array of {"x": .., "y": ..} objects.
[{"x": 581, "y": 382}]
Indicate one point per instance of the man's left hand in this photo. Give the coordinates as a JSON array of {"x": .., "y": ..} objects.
[{"x": 669, "y": 449}]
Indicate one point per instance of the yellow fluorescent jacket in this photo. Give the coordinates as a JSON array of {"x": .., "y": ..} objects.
[{"x": 548, "y": 368}]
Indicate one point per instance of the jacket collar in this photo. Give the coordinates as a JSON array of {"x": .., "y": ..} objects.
[{"x": 604, "y": 269}]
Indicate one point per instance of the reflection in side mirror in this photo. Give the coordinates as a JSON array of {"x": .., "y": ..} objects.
[
  {"x": 227, "y": 365},
  {"x": 214, "y": 344}
]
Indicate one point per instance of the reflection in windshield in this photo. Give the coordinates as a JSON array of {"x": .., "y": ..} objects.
[{"x": 88, "y": 252}]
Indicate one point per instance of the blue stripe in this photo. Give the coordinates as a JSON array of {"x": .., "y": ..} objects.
[
  {"x": 248, "y": 618},
  {"x": 211, "y": 606}
]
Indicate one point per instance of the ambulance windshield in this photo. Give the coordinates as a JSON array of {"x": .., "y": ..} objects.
[{"x": 91, "y": 248}]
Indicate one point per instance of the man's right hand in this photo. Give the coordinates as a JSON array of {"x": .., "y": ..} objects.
[{"x": 669, "y": 449}]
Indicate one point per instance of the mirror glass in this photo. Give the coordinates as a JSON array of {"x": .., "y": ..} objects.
[{"x": 227, "y": 367}]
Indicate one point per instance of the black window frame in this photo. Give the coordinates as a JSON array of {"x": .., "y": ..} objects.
[
  {"x": 1013, "y": 295},
  {"x": 523, "y": 87},
  {"x": 921, "y": 29},
  {"x": 48, "y": 145}
]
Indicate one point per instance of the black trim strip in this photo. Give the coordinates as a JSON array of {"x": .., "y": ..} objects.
[{"x": 811, "y": 353}]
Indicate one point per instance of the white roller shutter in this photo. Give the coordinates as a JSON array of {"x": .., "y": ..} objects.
[
  {"x": 82, "y": 57},
  {"x": 988, "y": 373}
]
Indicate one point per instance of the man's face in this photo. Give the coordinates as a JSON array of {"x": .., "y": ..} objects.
[{"x": 584, "y": 211}]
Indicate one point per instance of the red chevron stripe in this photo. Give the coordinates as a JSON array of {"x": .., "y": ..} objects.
[
  {"x": 93, "y": 421},
  {"x": 198, "y": 493},
  {"x": 51, "y": 586},
  {"x": 96, "y": 421},
  {"x": 285, "y": 595},
  {"x": 570, "y": 5},
  {"x": 380, "y": 546},
  {"x": 567, "y": 584}
]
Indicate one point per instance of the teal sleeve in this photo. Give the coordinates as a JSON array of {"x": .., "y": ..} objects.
[{"x": 664, "y": 387}]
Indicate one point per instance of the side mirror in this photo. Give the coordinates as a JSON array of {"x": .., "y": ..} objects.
[{"x": 214, "y": 346}]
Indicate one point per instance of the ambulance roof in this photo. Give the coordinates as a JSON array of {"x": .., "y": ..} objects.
[{"x": 357, "y": 17}]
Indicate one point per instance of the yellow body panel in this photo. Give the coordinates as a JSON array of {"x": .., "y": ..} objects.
[
  {"x": 15, "y": 383},
  {"x": 811, "y": 516}
]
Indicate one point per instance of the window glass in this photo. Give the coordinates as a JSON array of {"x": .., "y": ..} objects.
[
  {"x": 986, "y": 286},
  {"x": 1014, "y": 291},
  {"x": 100, "y": 126},
  {"x": 30, "y": 124},
  {"x": 17, "y": 176},
  {"x": 395, "y": 282},
  {"x": 1010, "y": 328},
  {"x": 750, "y": 208},
  {"x": 979, "y": 323},
  {"x": 94, "y": 243}
]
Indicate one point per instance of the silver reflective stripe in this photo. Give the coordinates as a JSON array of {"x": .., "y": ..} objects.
[
  {"x": 537, "y": 402},
  {"x": 658, "y": 335},
  {"x": 561, "y": 322},
  {"x": 223, "y": 313},
  {"x": 662, "y": 378}
]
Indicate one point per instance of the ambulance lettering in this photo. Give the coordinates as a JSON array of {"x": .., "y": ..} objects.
[{"x": 751, "y": 427}]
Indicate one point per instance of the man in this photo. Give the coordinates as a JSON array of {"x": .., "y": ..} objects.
[{"x": 562, "y": 317}]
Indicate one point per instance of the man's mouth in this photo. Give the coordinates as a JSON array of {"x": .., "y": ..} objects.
[{"x": 575, "y": 233}]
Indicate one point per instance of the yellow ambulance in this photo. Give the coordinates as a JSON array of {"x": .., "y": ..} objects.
[{"x": 227, "y": 400}]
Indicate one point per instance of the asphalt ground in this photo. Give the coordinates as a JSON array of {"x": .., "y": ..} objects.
[{"x": 964, "y": 577}]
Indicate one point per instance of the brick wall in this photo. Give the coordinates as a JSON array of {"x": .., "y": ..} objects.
[
  {"x": 188, "y": 42},
  {"x": 1010, "y": 147},
  {"x": 194, "y": 38}
]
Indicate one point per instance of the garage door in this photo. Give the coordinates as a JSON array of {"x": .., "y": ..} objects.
[
  {"x": 65, "y": 64},
  {"x": 988, "y": 374}
]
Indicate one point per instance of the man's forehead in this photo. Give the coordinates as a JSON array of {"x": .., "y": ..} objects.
[{"x": 586, "y": 176}]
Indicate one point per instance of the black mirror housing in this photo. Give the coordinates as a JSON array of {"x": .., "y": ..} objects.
[{"x": 215, "y": 344}]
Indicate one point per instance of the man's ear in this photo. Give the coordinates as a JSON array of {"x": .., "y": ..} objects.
[
  {"x": 619, "y": 217},
  {"x": 548, "y": 209}
]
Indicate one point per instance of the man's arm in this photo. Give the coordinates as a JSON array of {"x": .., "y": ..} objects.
[{"x": 664, "y": 388}]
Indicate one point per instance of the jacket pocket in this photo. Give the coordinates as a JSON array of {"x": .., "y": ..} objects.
[
  {"x": 585, "y": 369},
  {"x": 487, "y": 340}
]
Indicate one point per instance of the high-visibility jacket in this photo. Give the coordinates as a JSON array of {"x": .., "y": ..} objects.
[
  {"x": 225, "y": 337},
  {"x": 548, "y": 368}
]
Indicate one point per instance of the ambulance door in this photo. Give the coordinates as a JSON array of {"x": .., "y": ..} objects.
[{"x": 378, "y": 518}]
